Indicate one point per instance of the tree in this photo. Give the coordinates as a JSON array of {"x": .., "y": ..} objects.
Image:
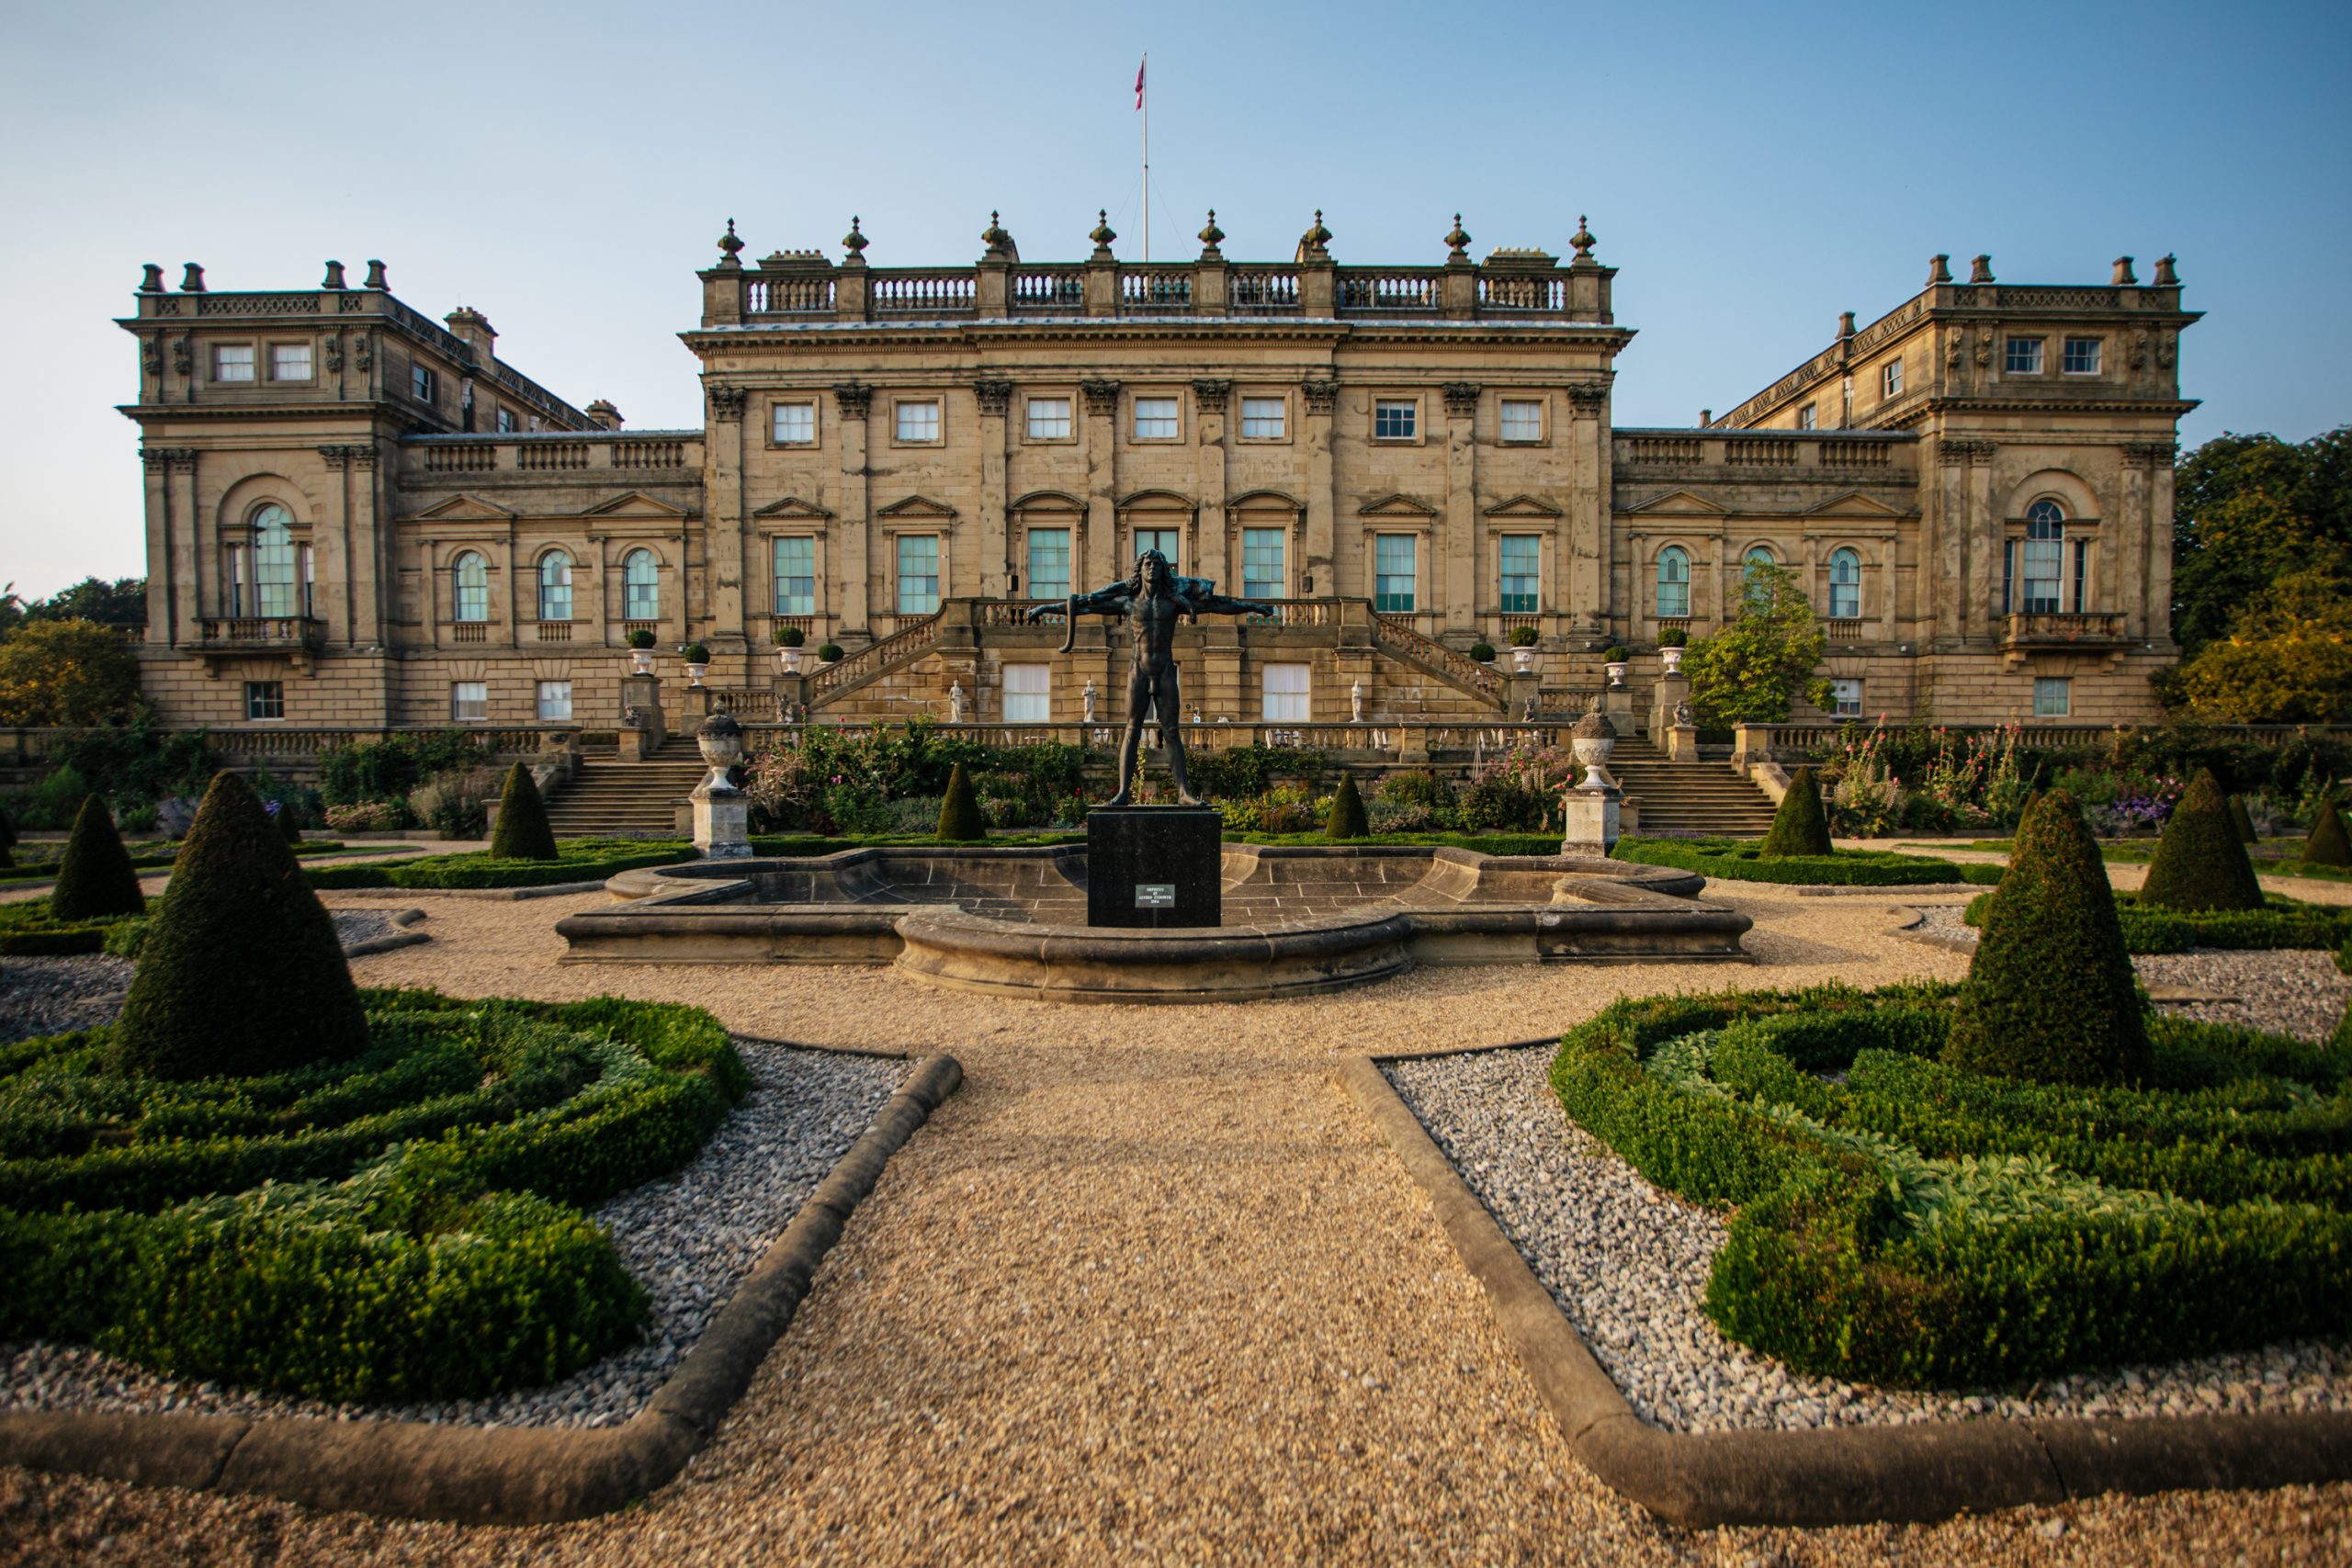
[
  {"x": 122, "y": 602},
  {"x": 2246, "y": 510},
  {"x": 522, "y": 832},
  {"x": 2286, "y": 658},
  {"x": 65, "y": 675},
  {"x": 1752, "y": 671}
]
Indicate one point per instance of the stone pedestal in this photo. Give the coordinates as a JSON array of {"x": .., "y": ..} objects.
[
  {"x": 1154, "y": 865},
  {"x": 722, "y": 823},
  {"x": 1682, "y": 743},
  {"x": 1590, "y": 820},
  {"x": 1669, "y": 693}
]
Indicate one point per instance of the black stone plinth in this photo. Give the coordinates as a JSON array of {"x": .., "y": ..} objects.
[{"x": 1153, "y": 865}]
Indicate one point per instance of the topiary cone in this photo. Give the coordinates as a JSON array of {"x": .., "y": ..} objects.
[
  {"x": 523, "y": 832},
  {"x": 241, "y": 972},
  {"x": 7, "y": 838},
  {"x": 2243, "y": 820},
  {"x": 94, "y": 879},
  {"x": 1799, "y": 826},
  {"x": 2050, "y": 995},
  {"x": 1346, "y": 819},
  {"x": 2200, "y": 862},
  {"x": 2327, "y": 845},
  {"x": 961, "y": 821}
]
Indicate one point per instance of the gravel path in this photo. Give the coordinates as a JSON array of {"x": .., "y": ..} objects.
[
  {"x": 1150, "y": 1287},
  {"x": 1629, "y": 1264},
  {"x": 688, "y": 1237}
]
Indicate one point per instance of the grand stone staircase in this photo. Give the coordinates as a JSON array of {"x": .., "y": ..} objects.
[
  {"x": 629, "y": 800},
  {"x": 1689, "y": 799}
]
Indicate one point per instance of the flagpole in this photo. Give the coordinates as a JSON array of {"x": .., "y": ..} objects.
[{"x": 1143, "y": 97}]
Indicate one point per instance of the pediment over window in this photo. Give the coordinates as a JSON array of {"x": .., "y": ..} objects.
[
  {"x": 636, "y": 503},
  {"x": 793, "y": 509},
  {"x": 1048, "y": 500},
  {"x": 462, "y": 509},
  {"x": 1678, "y": 503},
  {"x": 1852, "y": 503},
  {"x": 1396, "y": 505},
  {"x": 1524, "y": 506},
  {"x": 916, "y": 508}
]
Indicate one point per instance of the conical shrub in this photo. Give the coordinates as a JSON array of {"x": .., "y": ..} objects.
[
  {"x": 2327, "y": 844},
  {"x": 241, "y": 972},
  {"x": 2243, "y": 820},
  {"x": 94, "y": 879},
  {"x": 522, "y": 832},
  {"x": 2051, "y": 995},
  {"x": 1799, "y": 826},
  {"x": 289, "y": 822},
  {"x": 7, "y": 838},
  {"x": 1346, "y": 819},
  {"x": 961, "y": 821},
  {"x": 2200, "y": 862}
]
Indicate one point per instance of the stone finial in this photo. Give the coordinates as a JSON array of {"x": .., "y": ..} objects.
[
  {"x": 1582, "y": 239},
  {"x": 1211, "y": 237},
  {"x": 375, "y": 276},
  {"x": 2123, "y": 272},
  {"x": 2167, "y": 277},
  {"x": 333, "y": 279},
  {"x": 1457, "y": 242},
  {"x": 999, "y": 244},
  {"x": 1102, "y": 234},
  {"x": 153, "y": 283},
  {"x": 854, "y": 242},
  {"x": 1317, "y": 241},
  {"x": 729, "y": 244},
  {"x": 1845, "y": 323},
  {"x": 1594, "y": 726},
  {"x": 192, "y": 279},
  {"x": 1980, "y": 270},
  {"x": 603, "y": 415},
  {"x": 1938, "y": 269}
]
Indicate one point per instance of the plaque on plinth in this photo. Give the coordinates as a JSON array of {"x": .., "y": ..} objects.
[{"x": 1154, "y": 865}]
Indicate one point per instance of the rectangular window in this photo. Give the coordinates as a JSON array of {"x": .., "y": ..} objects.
[
  {"x": 2054, "y": 696},
  {"x": 1890, "y": 379},
  {"x": 1809, "y": 417},
  {"x": 1262, "y": 419},
  {"x": 1048, "y": 563},
  {"x": 470, "y": 702},
  {"x": 1393, "y": 578},
  {"x": 1847, "y": 701},
  {"x": 796, "y": 576},
  {"x": 1522, "y": 558},
  {"x": 2082, "y": 572},
  {"x": 1050, "y": 419},
  {"x": 1160, "y": 539},
  {"x": 233, "y": 361},
  {"x": 794, "y": 424},
  {"x": 264, "y": 699},
  {"x": 289, "y": 362},
  {"x": 504, "y": 424},
  {"x": 1261, "y": 563},
  {"x": 918, "y": 423},
  {"x": 2082, "y": 356},
  {"x": 555, "y": 700},
  {"x": 2023, "y": 357},
  {"x": 1282, "y": 693},
  {"x": 1845, "y": 601},
  {"x": 2044, "y": 561},
  {"x": 422, "y": 384},
  {"x": 1156, "y": 418},
  {"x": 1395, "y": 418},
  {"x": 1522, "y": 420},
  {"x": 918, "y": 574},
  {"x": 1028, "y": 693}
]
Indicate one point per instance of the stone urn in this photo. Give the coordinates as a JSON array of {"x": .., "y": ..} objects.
[
  {"x": 721, "y": 812},
  {"x": 1672, "y": 659},
  {"x": 790, "y": 658},
  {"x": 720, "y": 741},
  {"x": 1524, "y": 661},
  {"x": 1593, "y": 739},
  {"x": 1616, "y": 672},
  {"x": 695, "y": 672},
  {"x": 641, "y": 661}
]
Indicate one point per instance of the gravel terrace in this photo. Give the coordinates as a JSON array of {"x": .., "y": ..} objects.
[{"x": 1148, "y": 1288}]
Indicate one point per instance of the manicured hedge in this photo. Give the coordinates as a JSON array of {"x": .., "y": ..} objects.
[
  {"x": 1920, "y": 1225},
  {"x": 29, "y": 930},
  {"x": 580, "y": 860},
  {"x": 2283, "y": 922},
  {"x": 1741, "y": 860},
  {"x": 402, "y": 1224}
]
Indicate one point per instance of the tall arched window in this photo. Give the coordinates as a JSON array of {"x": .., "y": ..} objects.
[
  {"x": 1673, "y": 583},
  {"x": 1845, "y": 586},
  {"x": 555, "y": 586},
  {"x": 2034, "y": 568},
  {"x": 640, "y": 587},
  {"x": 1754, "y": 578},
  {"x": 269, "y": 569},
  {"x": 472, "y": 574}
]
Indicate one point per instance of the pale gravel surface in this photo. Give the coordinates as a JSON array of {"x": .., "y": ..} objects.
[
  {"x": 1629, "y": 1266},
  {"x": 688, "y": 1238},
  {"x": 1148, "y": 1288}
]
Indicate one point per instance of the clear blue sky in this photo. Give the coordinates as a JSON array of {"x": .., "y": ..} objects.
[{"x": 1753, "y": 169}]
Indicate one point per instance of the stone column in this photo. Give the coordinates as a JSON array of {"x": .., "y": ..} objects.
[
  {"x": 723, "y": 523},
  {"x": 1889, "y": 547},
  {"x": 1984, "y": 535},
  {"x": 1211, "y": 555},
  {"x": 374, "y": 569},
  {"x": 163, "y": 614},
  {"x": 331, "y": 552},
  {"x": 195, "y": 552},
  {"x": 1459, "y": 578},
  {"x": 1101, "y": 563},
  {"x": 853, "y": 585},
  {"x": 1589, "y": 515},
  {"x": 1321, "y": 399},
  {"x": 2156, "y": 623},
  {"x": 995, "y": 561},
  {"x": 1944, "y": 563}
]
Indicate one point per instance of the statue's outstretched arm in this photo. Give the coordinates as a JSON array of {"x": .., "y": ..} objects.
[
  {"x": 1219, "y": 605},
  {"x": 1111, "y": 601}
]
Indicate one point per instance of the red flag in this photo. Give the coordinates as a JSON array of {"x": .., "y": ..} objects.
[{"x": 1140, "y": 82}]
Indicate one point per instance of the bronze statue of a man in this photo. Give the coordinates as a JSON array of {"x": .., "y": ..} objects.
[{"x": 1153, "y": 600}]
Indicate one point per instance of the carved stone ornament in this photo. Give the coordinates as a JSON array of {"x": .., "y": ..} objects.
[
  {"x": 1102, "y": 396},
  {"x": 335, "y": 351},
  {"x": 1955, "y": 350},
  {"x": 1210, "y": 395},
  {"x": 1102, "y": 234},
  {"x": 726, "y": 402},
  {"x": 337, "y": 458},
  {"x": 150, "y": 355},
  {"x": 995, "y": 397},
  {"x": 853, "y": 398},
  {"x": 1457, "y": 242},
  {"x": 2139, "y": 351},
  {"x": 729, "y": 245},
  {"x": 2167, "y": 350},
  {"x": 1316, "y": 244},
  {"x": 183, "y": 357},
  {"x": 2150, "y": 453},
  {"x": 1589, "y": 397},
  {"x": 855, "y": 242},
  {"x": 1985, "y": 347},
  {"x": 1462, "y": 398},
  {"x": 1582, "y": 239},
  {"x": 996, "y": 238},
  {"x": 1211, "y": 237},
  {"x": 1322, "y": 397},
  {"x": 363, "y": 351}
]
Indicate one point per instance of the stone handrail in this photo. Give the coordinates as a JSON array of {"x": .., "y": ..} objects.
[
  {"x": 1801, "y": 742},
  {"x": 1460, "y": 668},
  {"x": 903, "y": 643}
]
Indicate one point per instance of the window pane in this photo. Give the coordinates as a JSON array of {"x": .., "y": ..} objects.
[
  {"x": 1522, "y": 563},
  {"x": 918, "y": 574},
  {"x": 290, "y": 361},
  {"x": 505, "y": 422},
  {"x": 1261, "y": 563},
  {"x": 796, "y": 576},
  {"x": 1155, "y": 419},
  {"x": 420, "y": 383},
  {"x": 1849, "y": 698},
  {"x": 1889, "y": 380},
  {"x": 274, "y": 574},
  {"x": 555, "y": 699},
  {"x": 1262, "y": 418},
  {"x": 1755, "y": 587},
  {"x": 919, "y": 421},
  {"x": 2044, "y": 559},
  {"x": 473, "y": 588},
  {"x": 1523, "y": 420},
  {"x": 796, "y": 424},
  {"x": 233, "y": 361},
  {"x": 1048, "y": 563},
  {"x": 1028, "y": 694},
  {"x": 470, "y": 700},
  {"x": 2082, "y": 356},
  {"x": 1050, "y": 419},
  {"x": 264, "y": 699},
  {"x": 1394, "y": 580},
  {"x": 1394, "y": 421},
  {"x": 641, "y": 591},
  {"x": 1160, "y": 539},
  {"x": 2024, "y": 356},
  {"x": 1284, "y": 694},
  {"x": 2053, "y": 696},
  {"x": 555, "y": 586},
  {"x": 1808, "y": 417},
  {"x": 1673, "y": 583},
  {"x": 1845, "y": 586}
]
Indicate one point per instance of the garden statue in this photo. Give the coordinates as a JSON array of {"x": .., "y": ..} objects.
[
  {"x": 1355, "y": 702},
  {"x": 1153, "y": 600},
  {"x": 1090, "y": 699},
  {"x": 955, "y": 703}
]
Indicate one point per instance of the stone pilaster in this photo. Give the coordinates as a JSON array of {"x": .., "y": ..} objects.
[
  {"x": 1212, "y": 556},
  {"x": 724, "y": 522},
  {"x": 1587, "y": 444},
  {"x": 995, "y": 398},
  {"x": 852, "y": 595},
  {"x": 1100, "y": 399},
  {"x": 1321, "y": 399},
  {"x": 1459, "y": 577}
]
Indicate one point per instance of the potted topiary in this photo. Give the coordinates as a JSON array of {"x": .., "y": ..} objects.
[
  {"x": 1670, "y": 643},
  {"x": 1522, "y": 649},
  {"x": 830, "y": 653},
  {"x": 1484, "y": 652},
  {"x": 1614, "y": 658},
  {"x": 698, "y": 658},
  {"x": 788, "y": 648},
  {"x": 640, "y": 652}
]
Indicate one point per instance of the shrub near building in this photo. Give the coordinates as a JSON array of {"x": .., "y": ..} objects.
[
  {"x": 95, "y": 880},
  {"x": 522, "y": 832},
  {"x": 1799, "y": 826},
  {"x": 2200, "y": 862}
]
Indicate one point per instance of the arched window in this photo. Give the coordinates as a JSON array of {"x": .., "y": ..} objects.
[
  {"x": 472, "y": 574},
  {"x": 1755, "y": 577},
  {"x": 1673, "y": 583},
  {"x": 269, "y": 569},
  {"x": 640, "y": 587},
  {"x": 1845, "y": 586},
  {"x": 555, "y": 586},
  {"x": 2037, "y": 567}
]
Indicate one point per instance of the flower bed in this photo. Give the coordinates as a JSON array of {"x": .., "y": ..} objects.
[
  {"x": 2285, "y": 923},
  {"x": 400, "y": 1224},
  {"x": 1904, "y": 1222},
  {"x": 1739, "y": 860}
]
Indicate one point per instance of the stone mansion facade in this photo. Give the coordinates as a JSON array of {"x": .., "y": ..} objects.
[{"x": 357, "y": 516}]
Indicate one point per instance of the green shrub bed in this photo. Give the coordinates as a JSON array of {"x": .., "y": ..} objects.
[
  {"x": 1738, "y": 860},
  {"x": 403, "y": 1224},
  {"x": 1906, "y": 1222},
  {"x": 2266, "y": 857},
  {"x": 28, "y": 929},
  {"x": 2283, "y": 922},
  {"x": 578, "y": 859}
]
